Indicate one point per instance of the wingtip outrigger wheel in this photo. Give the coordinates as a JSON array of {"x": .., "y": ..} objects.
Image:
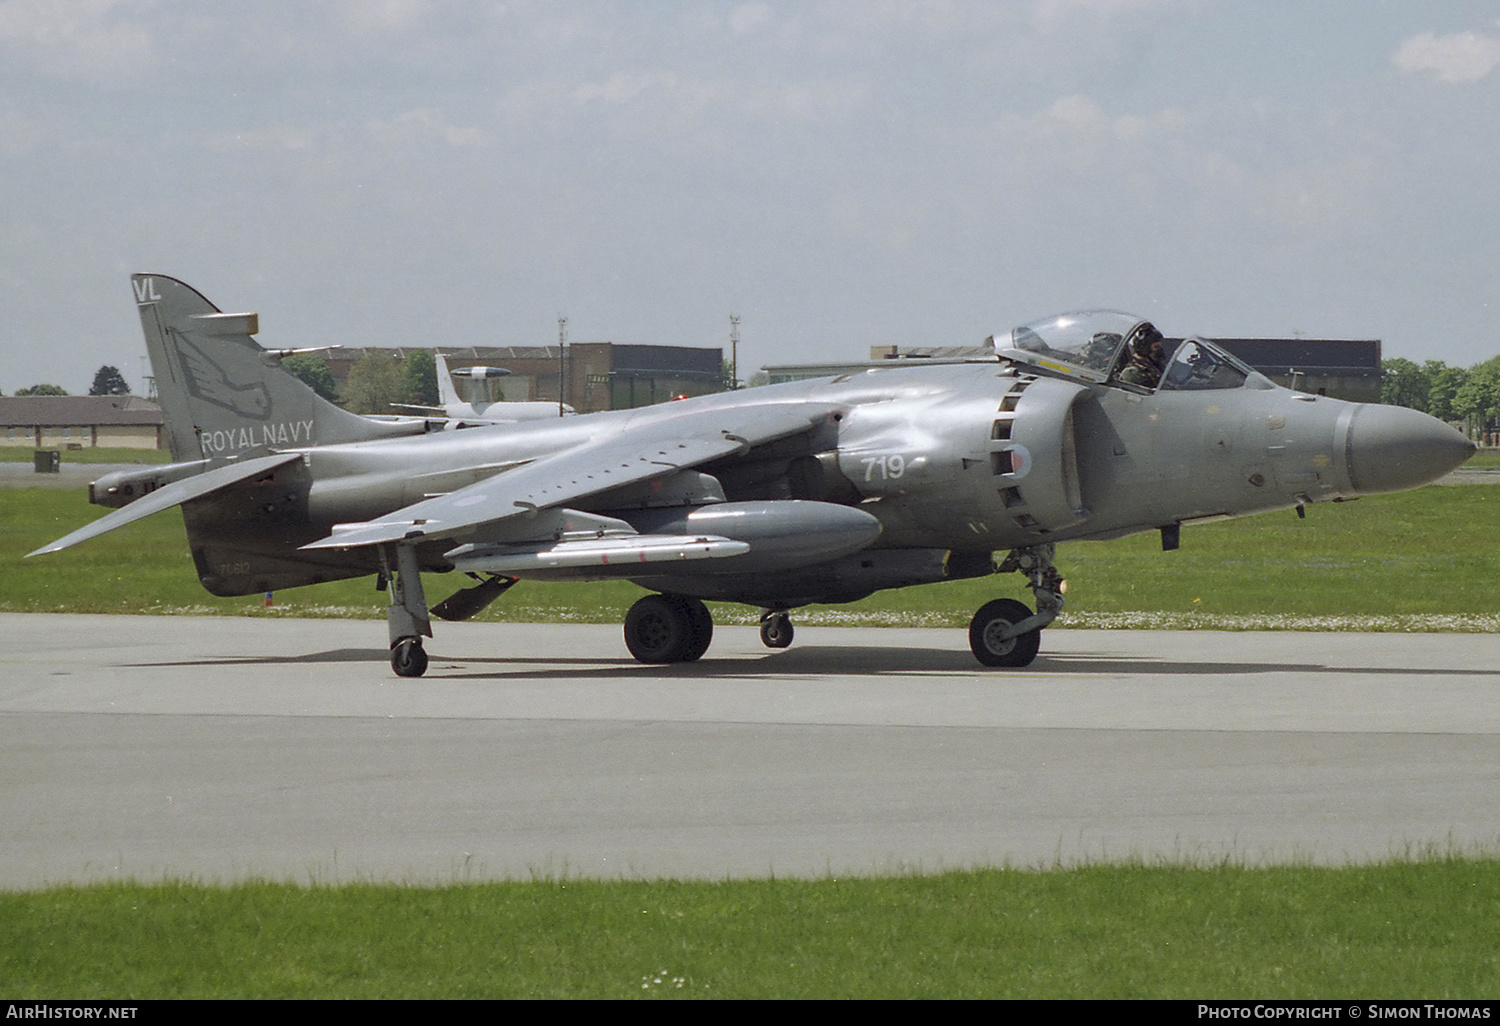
[
  {"x": 408, "y": 658},
  {"x": 406, "y": 616}
]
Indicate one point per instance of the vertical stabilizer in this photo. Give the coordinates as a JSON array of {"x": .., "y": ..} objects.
[
  {"x": 222, "y": 395},
  {"x": 448, "y": 396}
]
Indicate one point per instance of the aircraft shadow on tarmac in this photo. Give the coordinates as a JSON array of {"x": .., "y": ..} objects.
[{"x": 810, "y": 661}]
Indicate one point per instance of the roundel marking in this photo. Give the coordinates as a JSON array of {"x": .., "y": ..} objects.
[{"x": 1020, "y": 461}]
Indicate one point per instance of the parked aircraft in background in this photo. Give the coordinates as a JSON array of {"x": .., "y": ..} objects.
[
  {"x": 1080, "y": 427},
  {"x": 488, "y": 410}
]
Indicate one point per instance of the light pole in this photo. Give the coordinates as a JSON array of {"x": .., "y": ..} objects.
[
  {"x": 734, "y": 351},
  {"x": 562, "y": 363}
]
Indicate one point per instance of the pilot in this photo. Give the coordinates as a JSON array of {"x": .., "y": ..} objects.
[{"x": 1147, "y": 358}]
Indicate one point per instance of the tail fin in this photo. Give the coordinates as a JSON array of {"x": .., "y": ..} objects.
[
  {"x": 447, "y": 394},
  {"x": 221, "y": 394}
]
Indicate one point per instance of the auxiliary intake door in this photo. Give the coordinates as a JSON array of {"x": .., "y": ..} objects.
[{"x": 1034, "y": 454}]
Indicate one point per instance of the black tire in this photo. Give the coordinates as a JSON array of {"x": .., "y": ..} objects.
[
  {"x": 702, "y": 627},
  {"x": 776, "y": 631},
  {"x": 408, "y": 658},
  {"x": 668, "y": 629},
  {"x": 990, "y": 621}
]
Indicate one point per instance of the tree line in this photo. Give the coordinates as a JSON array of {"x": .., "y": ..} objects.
[
  {"x": 1453, "y": 394},
  {"x": 377, "y": 381},
  {"x": 107, "y": 381}
]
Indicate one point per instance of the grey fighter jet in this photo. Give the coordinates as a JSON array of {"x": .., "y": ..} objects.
[{"x": 1083, "y": 426}]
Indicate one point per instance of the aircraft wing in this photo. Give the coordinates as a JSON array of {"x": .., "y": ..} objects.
[
  {"x": 170, "y": 495},
  {"x": 652, "y": 448}
]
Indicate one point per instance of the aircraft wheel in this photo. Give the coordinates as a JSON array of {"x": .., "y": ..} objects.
[
  {"x": 408, "y": 658},
  {"x": 990, "y": 622},
  {"x": 776, "y": 630},
  {"x": 702, "y": 628},
  {"x": 668, "y": 629}
]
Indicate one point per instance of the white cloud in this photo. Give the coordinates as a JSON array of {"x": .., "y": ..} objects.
[
  {"x": 1052, "y": 15},
  {"x": 805, "y": 101},
  {"x": 1312, "y": 198},
  {"x": 90, "y": 39},
  {"x": 625, "y": 87},
  {"x": 20, "y": 136},
  {"x": 1076, "y": 130},
  {"x": 382, "y": 16},
  {"x": 280, "y": 138},
  {"x": 662, "y": 100},
  {"x": 422, "y": 126},
  {"x": 749, "y": 17},
  {"x": 1457, "y": 58}
]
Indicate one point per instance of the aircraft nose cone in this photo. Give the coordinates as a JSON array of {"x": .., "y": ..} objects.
[{"x": 1392, "y": 448}]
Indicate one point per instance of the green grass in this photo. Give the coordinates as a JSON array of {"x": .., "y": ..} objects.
[
  {"x": 1434, "y": 552},
  {"x": 1411, "y": 929},
  {"x": 90, "y": 454},
  {"x": 1425, "y": 928}
]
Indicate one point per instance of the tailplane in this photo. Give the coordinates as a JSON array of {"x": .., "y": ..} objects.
[{"x": 222, "y": 395}]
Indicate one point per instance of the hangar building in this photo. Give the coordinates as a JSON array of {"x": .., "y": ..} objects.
[
  {"x": 81, "y": 421},
  {"x": 600, "y": 375}
]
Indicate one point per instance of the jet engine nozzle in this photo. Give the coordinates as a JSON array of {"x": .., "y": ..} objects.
[{"x": 1392, "y": 448}]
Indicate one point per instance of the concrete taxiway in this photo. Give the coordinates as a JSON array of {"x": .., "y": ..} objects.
[{"x": 224, "y": 748}]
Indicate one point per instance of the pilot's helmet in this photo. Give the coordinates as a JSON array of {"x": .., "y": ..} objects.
[{"x": 1142, "y": 337}]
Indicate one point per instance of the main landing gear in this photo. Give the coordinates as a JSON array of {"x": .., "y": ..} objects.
[
  {"x": 1004, "y": 632},
  {"x": 668, "y": 629}
]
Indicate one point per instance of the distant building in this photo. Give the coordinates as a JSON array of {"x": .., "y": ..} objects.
[
  {"x": 1341, "y": 368},
  {"x": 81, "y": 421},
  {"x": 600, "y": 375}
]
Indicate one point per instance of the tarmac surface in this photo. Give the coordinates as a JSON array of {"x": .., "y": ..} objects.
[{"x": 220, "y": 749}]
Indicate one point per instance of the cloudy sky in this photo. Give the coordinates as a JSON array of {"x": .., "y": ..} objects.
[{"x": 840, "y": 173}]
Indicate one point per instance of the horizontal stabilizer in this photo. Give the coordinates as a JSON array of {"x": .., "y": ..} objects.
[
  {"x": 171, "y": 495},
  {"x": 632, "y": 550}
]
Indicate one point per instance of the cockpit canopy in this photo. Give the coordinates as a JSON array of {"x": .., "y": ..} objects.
[{"x": 1111, "y": 347}]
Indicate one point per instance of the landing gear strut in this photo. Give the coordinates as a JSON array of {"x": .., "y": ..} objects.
[
  {"x": 668, "y": 628},
  {"x": 407, "y": 614},
  {"x": 1005, "y": 632},
  {"x": 776, "y": 628}
]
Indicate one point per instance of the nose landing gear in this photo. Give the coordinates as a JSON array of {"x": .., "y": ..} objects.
[
  {"x": 1004, "y": 632},
  {"x": 776, "y": 628}
]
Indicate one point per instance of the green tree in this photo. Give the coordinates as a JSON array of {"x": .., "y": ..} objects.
[
  {"x": 1477, "y": 401},
  {"x": 1444, "y": 383},
  {"x": 42, "y": 390},
  {"x": 374, "y": 384},
  {"x": 419, "y": 374},
  {"x": 313, "y": 372},
  {"x": 109, "y": 381},
  {"x": 1403, "y": 383}
]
